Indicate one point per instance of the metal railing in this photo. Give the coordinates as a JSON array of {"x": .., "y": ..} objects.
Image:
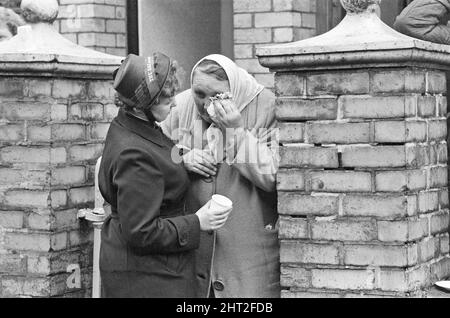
[{"x": 96, "y": 216}]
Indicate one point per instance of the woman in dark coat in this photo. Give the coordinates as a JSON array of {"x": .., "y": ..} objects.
[{"x": 148, "y": 241}]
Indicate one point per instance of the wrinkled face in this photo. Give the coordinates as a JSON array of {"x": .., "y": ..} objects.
[
  {"x": 205, "y": 86},
  {"x": 161, "y": 110}
]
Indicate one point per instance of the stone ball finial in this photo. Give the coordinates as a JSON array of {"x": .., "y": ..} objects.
[
  {"x": 35, "y": 11},
  {"x": 359, "y": 6}
]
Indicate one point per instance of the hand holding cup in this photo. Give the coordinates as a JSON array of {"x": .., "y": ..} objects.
[{"x": 214, "y": 214}]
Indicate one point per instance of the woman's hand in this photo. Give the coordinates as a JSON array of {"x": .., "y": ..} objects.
[
  {"x": 211, "y": 220},
  {"x": 227, "y": 114},
  {"x": 200, "y": 162}
]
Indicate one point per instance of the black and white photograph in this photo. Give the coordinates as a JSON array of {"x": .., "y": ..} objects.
[{"x": 225, "y": 154}]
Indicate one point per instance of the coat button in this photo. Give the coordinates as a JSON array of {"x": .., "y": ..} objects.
[
  {"x": 218, "y": 285},
  {"x": 210, "y": 232},
  {"x": 183, "y": 239},
  {"x": 208, "y": 180}
]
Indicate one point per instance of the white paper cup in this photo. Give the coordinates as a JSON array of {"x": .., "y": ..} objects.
[{"x": 220, "y": 203}]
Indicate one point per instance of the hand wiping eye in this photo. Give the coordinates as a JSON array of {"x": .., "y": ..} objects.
[{"x": 217, "y": 97}]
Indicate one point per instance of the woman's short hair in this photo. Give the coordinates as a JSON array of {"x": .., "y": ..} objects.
[
  {"x": 170, "y": 88},
  {"x": 172, "y": 85},
  {"x": 212, "y": 68}
]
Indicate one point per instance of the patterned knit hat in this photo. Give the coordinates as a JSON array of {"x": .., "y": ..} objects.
[{"x": 140, "y": 80}]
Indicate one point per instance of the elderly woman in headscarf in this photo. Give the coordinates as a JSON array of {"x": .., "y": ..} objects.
[
  {"x": 148, "y": 241},
  {"x": 225, "y": 125}
]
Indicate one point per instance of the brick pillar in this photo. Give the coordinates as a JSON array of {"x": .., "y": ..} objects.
[
  {"x": 261, "y": 22},
  {"x": 363, "y": 195},
  {"x": 100, "y": 25},
  {"x": 56, "y": 104}
]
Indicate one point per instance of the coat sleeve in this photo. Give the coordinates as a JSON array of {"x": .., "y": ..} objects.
[
  {"x": 426, "y": 20},
  {"x": 255, "y": 153},
  {"x": 140, "y": 190}
]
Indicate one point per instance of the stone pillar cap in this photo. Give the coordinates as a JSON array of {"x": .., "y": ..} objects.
[
  {"x": 38, "y": 44},
  {"x": 360, "y": 39}
]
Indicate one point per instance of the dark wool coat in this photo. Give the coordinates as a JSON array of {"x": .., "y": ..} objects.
[{"x": 148, "y": 243}]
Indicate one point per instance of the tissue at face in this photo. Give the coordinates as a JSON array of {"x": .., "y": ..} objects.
[
  {"x": 211, "y": 111},
  {"x": 219, "y": 97}
]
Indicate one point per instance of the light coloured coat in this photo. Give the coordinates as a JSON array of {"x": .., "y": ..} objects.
[{"x": 243, "y": 256}]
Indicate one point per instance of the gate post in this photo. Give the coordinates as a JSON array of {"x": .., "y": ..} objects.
[
  {"x": 363, "y": 195},
  {"x": 56, "y": 104}
]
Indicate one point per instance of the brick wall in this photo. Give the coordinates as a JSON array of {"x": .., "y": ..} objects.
[
  {"x": 96, "y": 24},
  {"x": 100, "y": 25},
  {"x": 51, "y": 134},
  {"x": 363, "y": 194},
  {"x": 264, "y": 22}
]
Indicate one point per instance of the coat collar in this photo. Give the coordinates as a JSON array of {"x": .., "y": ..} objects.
[{"x": 145, "y": 129}]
